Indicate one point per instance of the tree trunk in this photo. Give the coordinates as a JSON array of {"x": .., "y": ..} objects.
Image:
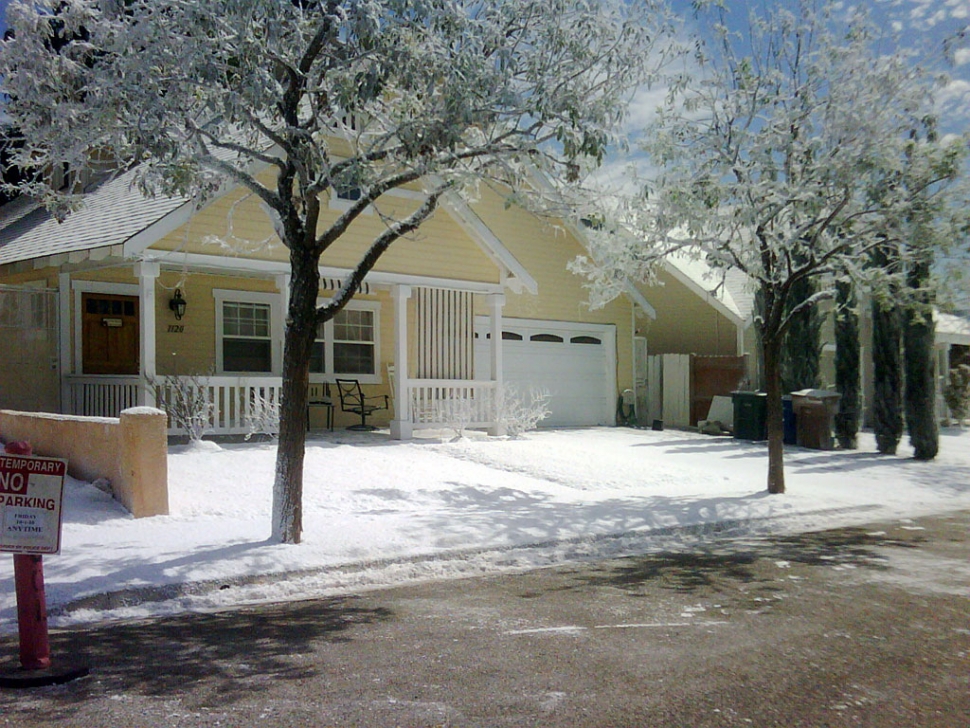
[
  {"x": 920, "y": 394},
  {"x": 887, "y": 415},
  {"x": 297, "y": 344},
  {"x": 847, "y": 379},
  {"x": 774, "y": 414}
]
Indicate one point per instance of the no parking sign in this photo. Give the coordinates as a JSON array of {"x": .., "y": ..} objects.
[{"x": 31, "y": 493}]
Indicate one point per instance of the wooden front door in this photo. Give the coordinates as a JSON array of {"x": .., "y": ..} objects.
[{"x": 109, "y": 334}]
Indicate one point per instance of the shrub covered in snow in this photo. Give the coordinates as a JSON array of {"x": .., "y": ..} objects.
[
  {"x": 517, "y": 412},
  {"x": 186, "y": 399},
  {"x": 263, "y": 417}
]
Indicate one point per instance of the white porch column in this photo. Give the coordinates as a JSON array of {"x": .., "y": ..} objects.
[
  {"x": 147, "y": 273},
  {"x": 401, "y": 424},
  {"x": 496, "y": 302},
  {"x": 283, "y": 286},
  {"x": 64, "y": 347}
]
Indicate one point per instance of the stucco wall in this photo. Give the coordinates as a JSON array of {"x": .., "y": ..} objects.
[{"x": 130, "y": 451}]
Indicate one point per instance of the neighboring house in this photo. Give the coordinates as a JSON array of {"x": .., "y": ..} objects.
[
  {"x": 478, "y": 298},
  {"x": 952, "y": 349},
  {"x": 733, "y": 301}
]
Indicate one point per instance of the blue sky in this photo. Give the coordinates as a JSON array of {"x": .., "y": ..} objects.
[{"x": 922, "y": 24}]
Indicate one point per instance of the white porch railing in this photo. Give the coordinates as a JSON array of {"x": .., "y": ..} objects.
[
  {"x": 441, "y": 402},
  {"x": 434, "y": 402},
  {"x": 231, "y": 398},
  {"x": 102, "y": 396}
]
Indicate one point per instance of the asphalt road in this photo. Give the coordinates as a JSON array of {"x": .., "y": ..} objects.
[{"x": 855, "y": 627}]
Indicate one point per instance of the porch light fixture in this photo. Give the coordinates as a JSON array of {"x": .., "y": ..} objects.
[{"x": 178, "y": 304}]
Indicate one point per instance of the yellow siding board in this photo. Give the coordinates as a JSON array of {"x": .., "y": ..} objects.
[
  {"x": 237, "y": 225},
  {"x": 686, "y": 323}
]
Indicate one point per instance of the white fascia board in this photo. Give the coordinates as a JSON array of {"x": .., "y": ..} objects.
[
  {"x": 221, "y": 263},
  {"x": 707, "y": 295},
  {"x": 141, "y": 241},
  {"x": 476, "y": 228},
  {"x": 639, "y": 299},
  {"x": 251, "y": 266}
]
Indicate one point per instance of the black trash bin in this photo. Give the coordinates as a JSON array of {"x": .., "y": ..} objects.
[{"x": 750, "y": 415}]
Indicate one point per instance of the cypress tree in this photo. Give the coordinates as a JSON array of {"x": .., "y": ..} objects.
[
  {"x": 847, "y": 371},
  {"x": 887, "y": 406},
  {"x": 920, "y": 396},
  {"x": 801, "y": 352}
]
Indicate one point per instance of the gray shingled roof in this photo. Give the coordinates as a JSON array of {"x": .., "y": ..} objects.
[{"x": 112, "y": 213}]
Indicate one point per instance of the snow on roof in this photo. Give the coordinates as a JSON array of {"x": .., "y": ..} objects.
[
  {"x": 113, "y": 212},
  {"x": 952, "y": 329},
  {"x": 730, "y": 287}
]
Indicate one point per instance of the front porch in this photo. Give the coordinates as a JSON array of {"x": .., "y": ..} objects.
[
  {"x": 236, "y": 401},
  {"x": 424, "y": 360}
]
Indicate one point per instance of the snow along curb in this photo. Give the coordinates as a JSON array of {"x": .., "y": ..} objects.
[{"x": 341, "y": 579}]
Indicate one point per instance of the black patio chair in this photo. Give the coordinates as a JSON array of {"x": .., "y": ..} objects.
[
  {"x": 352, "y": 399},
  {"x": 319, "y": 396}
]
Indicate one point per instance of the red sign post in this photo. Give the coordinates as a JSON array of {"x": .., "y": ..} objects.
[{"x": 35, "y": 649}]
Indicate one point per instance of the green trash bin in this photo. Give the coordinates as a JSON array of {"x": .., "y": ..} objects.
[{"x": 750, "y": 415}]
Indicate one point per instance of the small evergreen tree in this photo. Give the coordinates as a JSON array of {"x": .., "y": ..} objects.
[
  {"x": 956, "y": 394},
  {"x": 887, "y": 406},
  {"x": 847, "y": 380},
  {"x": 920, "y": 392},
  {"x": 801, "y": 352}
]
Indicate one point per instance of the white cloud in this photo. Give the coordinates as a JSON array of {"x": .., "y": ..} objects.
[
  {"x": 643, "y": 108},
  {"x": 953, "y": 101},
  {"x": 929, "y": 13},
  {"x": 959, "y": 9}
]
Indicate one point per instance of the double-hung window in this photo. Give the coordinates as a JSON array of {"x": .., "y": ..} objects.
[
  {"x": 347, "y": 345},
  {"x": 244, "y": 332}
]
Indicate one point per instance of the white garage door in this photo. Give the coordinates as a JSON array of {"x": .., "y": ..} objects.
[{"x": 573, "y": 363}]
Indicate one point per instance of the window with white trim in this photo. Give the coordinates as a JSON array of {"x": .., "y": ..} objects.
[
  {"x": 246, "y": 342},
  {"x": 245, "y": 332},
  {"x": 348, "y": 344}
]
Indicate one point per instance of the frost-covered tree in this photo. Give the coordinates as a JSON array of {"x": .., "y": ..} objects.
[
  {"x": 784, "y": 159},
  {"x": 439, "y": 93}
]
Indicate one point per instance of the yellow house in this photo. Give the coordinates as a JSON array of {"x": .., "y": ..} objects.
[{"x": 129, "y": 290}]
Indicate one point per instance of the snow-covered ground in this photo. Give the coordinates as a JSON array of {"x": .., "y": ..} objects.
[{"x": 379, "y": 512}]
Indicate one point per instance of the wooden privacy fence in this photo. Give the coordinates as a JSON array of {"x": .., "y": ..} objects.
[{"x": 680, "y": 387}]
